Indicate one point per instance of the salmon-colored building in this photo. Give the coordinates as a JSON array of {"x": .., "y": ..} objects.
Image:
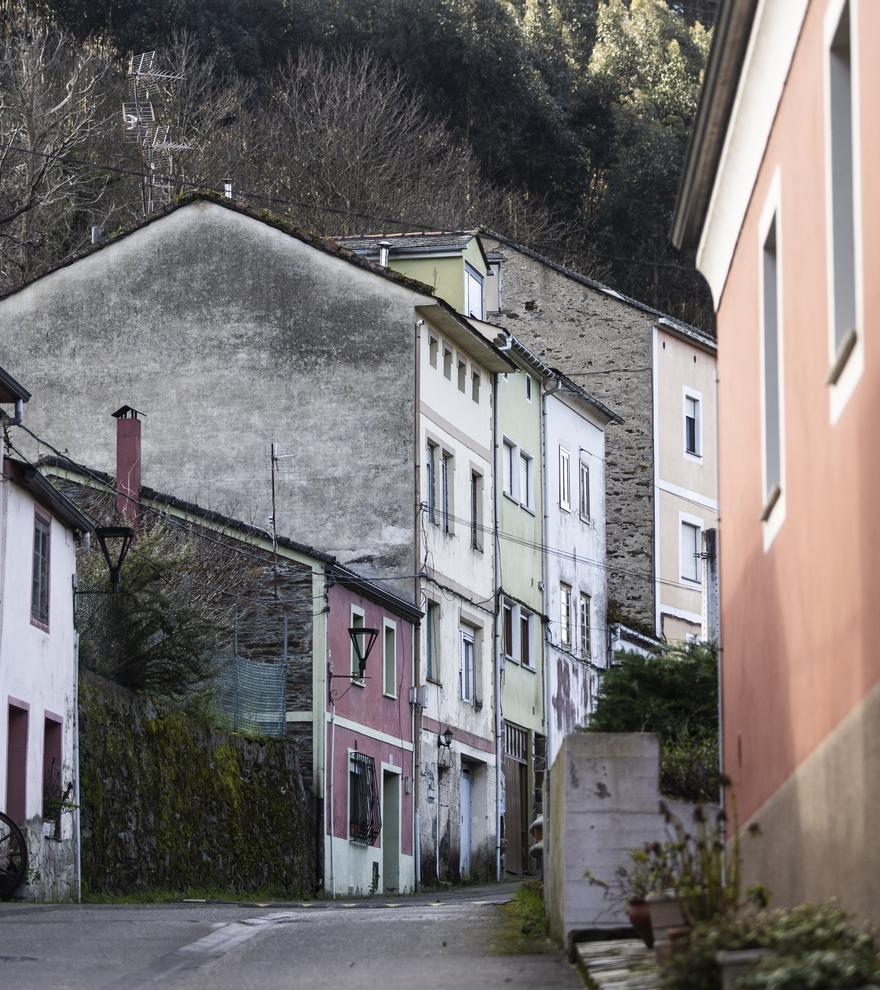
[{"x": 781, "y": 185}]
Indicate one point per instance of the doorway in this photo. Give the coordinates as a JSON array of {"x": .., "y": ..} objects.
[
  {"x": 390, "y": 832},
  {"x": 516, "y": 798},
  {"x": 464, "y": 822},
  {"x": 16, "y": 764}
]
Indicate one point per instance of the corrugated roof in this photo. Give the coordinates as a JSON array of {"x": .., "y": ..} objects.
[{"x": 435, "y": 240}]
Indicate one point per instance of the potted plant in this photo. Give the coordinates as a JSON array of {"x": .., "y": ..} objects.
[
  {"x": 637, "y": 881},
  {"x": 55, "y": 801}
]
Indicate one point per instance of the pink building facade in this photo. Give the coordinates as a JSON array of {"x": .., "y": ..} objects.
[
  {"x": 369, "y": 791},
  {"x": 780, "y": 190}
]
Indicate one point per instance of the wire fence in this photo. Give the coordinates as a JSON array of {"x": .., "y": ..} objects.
[{"x": 250, "y": 696}]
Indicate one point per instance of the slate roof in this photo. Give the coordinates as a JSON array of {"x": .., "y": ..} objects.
[{"x": 435, "y": 239}]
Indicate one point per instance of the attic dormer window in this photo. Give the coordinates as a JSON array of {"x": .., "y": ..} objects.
[{"x": 473, "y": 293}]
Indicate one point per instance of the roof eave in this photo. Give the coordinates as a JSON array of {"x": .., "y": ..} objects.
[
  {"x": 462, "y": 332},
  {"x": 11, "y": 390},
  {"x": 733, "y": 28}
]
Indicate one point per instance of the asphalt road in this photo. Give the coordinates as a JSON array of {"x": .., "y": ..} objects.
[{"x": 450, "y": 943}]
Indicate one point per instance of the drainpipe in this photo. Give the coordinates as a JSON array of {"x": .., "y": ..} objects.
[
  {"x": 332, "y": 763},
  {"x": 417, "y": 599},
  {"x": 499, "y": 715},
  {"x": 545, "y": 836},
  {"x": 78, "y": 836}
]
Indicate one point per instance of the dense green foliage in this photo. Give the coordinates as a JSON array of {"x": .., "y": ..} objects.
[
  {"x": 583, "y": 106},
  {"x": 675, "y": 694},
  {"x": 814, "y": 947},
  {"x": 171, "y": 803}
]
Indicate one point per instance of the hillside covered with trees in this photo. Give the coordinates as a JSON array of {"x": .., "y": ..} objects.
[{"x": 562, "y": 123}]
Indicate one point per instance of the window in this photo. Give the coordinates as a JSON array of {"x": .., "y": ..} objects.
[
  {"x": 507, "y": 630},
  {"x": 431, "y": 482},
  {"x": 40, "y": 581},
  {"x": 565, "y": 615},
  {"x": 462, "y": 376},
  {"x": 433, "y": 350},
  {"x": 584, "y": 492},
  {"x": 529, "y": 387},
  {"x": 389, "y": 658},
  {"x": 564, "y": 479},
  {"x": 525, "y": 638},
  {"x": 466, "y": 672},
  {"x": 357, "y": 622},
  {"x": 446, "y": 492},
  {"x": 526, "y": 480},
  {"x": 584, "y": 618},
  {"x": 509, "y": 455},
  {"x": 476, "y": 510},
  {"x": 447, "y": 362},
  {"x": 842, "y": 190},
  {"x": 772, "y": 375},
  {"x": 690, "y": 551},
  {"x": 473, "y": 292},
  {"x": 475, "y": 386},
  {"x": 53, "y": 786},
  {"x": 432, "y": 619},
  {"x": 693, "y": 441},
  {"x": 364, "y": 816}
]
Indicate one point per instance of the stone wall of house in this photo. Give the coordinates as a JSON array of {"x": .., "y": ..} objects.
[
  {"x": 605, "y": 346},
  {"x": 51, "y": 872},
  {"x": 229, "y": 335},
  {"x": 170, "y": 803}
]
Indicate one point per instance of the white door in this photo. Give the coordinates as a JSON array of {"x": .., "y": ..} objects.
[{"x": 464, "y": 822}]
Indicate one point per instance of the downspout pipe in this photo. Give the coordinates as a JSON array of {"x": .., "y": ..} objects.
[{"x": 499, "y": 714}]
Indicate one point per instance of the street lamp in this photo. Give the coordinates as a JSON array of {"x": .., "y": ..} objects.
[
  {"x": 363, "y": 640},
  {"x": 445, "y": 739},
  {"x": 115, "y": 541}
]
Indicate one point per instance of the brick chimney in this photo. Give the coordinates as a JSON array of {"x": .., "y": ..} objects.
[{"x": 128, "y": 464}]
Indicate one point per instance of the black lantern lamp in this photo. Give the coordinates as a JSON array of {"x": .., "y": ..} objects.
[
  {"x": 445, "y": 739},
  {"x": 363, "y": 640},
  {"x": 115, "y": 541}
]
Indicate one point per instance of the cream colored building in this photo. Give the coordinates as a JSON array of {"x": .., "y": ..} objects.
[{"x": 685, "y": 479}]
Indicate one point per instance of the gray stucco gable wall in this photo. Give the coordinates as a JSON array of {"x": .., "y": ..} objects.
[
  {"x": 230, "y": 334},
  {"x": 605, "y": 346}
]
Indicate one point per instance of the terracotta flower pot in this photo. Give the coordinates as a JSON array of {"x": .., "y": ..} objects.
[{"x": 639, "y": 915}]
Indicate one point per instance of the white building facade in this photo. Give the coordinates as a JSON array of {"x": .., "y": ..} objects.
[
  {"x": 458, "y": 782},
  {"x": 575, "y": 563},
  {"x": 40, "y": 531}
]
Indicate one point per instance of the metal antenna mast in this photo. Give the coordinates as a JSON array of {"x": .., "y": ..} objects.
[{"x": 140, "y": 120}]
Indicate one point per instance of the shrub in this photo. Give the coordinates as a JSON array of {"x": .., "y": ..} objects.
[{"x": 675, "y": 694}]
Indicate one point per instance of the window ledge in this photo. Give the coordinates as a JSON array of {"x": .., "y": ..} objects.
[
  {"x": 528, "y": 509},
  {"x": 393, "y": 697},
  {"x": 691, "y": 456},
  {"x": 433, "y": 680},
  {"x": 847, "y": 346},
  {"x": 42, "y": 626},
  {"x": 510, "y": 498}
]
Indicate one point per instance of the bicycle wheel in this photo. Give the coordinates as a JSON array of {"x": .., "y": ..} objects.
[{"x": 13, "y": 857}]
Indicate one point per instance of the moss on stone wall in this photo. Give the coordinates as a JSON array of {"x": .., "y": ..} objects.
[{"x": 170, "y": 802}]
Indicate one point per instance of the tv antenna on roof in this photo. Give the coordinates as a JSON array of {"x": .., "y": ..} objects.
[{"x": 141, "y": 126}]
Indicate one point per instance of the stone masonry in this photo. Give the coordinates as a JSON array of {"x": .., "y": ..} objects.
[{"x": 604, "y": 343}]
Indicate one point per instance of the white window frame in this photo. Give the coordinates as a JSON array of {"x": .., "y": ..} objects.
[
  {"x": 684, "y": 519},
  {"x": 471, "y": 275},
  {"x": 353, "y": 665},
  {"x": 476, "y": 493},
  {"x": 432, "y": 656},
  {"x": 508, "y": 608},
  {"x": 773, "y": 502},
  {"x": 509, "y": 468},
  {"x": 564, "y": 479},
  {"x": 527, "y": 618},
  {"x": 529, "y": 384},
  {"x": 433, "y": 350},
  {"x": 448, "y": 357},
  {"x": 585, "y": 626},
  {"x": 462, "y": 375},
  {"x": 431, "y": 450},
  {"x": 392, "y": 693},
  {"x": 447, "y": 483},
  {"x": 476, "y": 380},
  {"x": 566, "y": 623},
  {"x": 697, "y": 398},
  {"x": 846, "y": 351},
  {"x": 526, "y": 498},
  {"x": 584, "y": 489},
  {"x": 467, "y": 675}
]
